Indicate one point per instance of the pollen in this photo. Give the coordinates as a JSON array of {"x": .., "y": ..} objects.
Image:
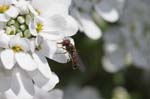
[
  {"x": 17, "y": 48},
  {"x": 39, "y": 27},
  {"x": 38, "y": 11},
  {"x": 3, "y": 8}
]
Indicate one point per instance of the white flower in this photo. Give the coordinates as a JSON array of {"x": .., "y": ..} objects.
[
  {"x": 7, "y": 10},
  {"x": 54, "y": 27},
  {"x": 45, "y": 29},
  {"x": 17, "y": 52},
  {"x": 40, "y": 50},
  {"x": 43, "y": 77},
  {"x": 109, "y": 9},
  {"x": 83, "y": 10},
  {"x": 127, "y": 41},
  {"x": 51, "y": 19},
  {"x": 29, "y": 32},
  {"x": 19, "y": 33},
  {"x": 44, "y": 47},
  {"x": 18, "y": 83}
]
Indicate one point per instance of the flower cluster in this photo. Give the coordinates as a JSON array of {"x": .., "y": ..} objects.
[
  {"x": 126, "y": 44},
  {"x": 30, "y": 32},
  {"x": 91, "y": 13}
]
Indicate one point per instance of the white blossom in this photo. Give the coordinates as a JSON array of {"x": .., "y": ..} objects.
[
  {"x": 29, "y": 32},
  {"x": 84, "y": 10},
  {"x": 20, "y": 84},
  {"x": 18, "y": 53},
  {"x": 129, "y": 40},
  {"x": 7, "y": 10}
]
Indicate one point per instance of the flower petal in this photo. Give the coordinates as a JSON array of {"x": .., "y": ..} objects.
[
  {"x": 54, "y": 35},
  {"x": 55, "y": 23},
  {"x": 9, "y": 94},
  {"x": 32, "y": 29},
  {"x": 21, "y": 42},
  {"x": 2, "y": 24},
  {"x": 5, "y": 80},
  {"x": 51, "y": 83},
  {"x": 42, "y": 82},
  {"x": 25, "y": 61},
  {"x": 26, "y": 86},
  {"x": 3, "y": 18},
  {"x": 51, "y": 6},
  {"x": 62, "y": 23},
  {"x": 39, "y": 93},
  {"x": 60, "y": 56},
  {"x": 4, "y": 39},
  {"x": 54, "y": 94},
  {"x": 72, "y": 26},
  {"x": 38, "y": 78},
  {"x": 48, "y": 48},
  {"x": 12, "y": 12},
  {"x": 8, "y": 59},
  {"x": 43, "y": 65},
  {"x": 15, "y": 84},
  {"x": 59, "y": 26},
  {"x": 107, "y": 12},
  {"x": 89, "y": 27}
]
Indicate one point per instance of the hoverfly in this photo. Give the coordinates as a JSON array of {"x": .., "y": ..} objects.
[{"x": 71, "y": 50}]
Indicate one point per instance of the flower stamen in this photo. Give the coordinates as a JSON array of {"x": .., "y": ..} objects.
[
  {"x": 17, "y": 48},
  {"x": 39, "y": 27},
  {"x": 38, "y": 11},
  {"x": 3, "y": 8}
]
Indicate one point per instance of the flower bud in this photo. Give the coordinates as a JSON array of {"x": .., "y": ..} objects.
[
  {"x": 23, "y": 27},
  {"x": 10, "y": 30},
  {"x": 21, "y": 19},
  {"x": 11, "y": 22},
  {"x": 28, "y": 19},
  {"x": 27, "y": 34},
  {"x": 19, "y": 33},
  {"x": 13, "y": 30}
]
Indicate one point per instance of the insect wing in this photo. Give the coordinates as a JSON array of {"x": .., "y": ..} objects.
[{"x": 80, "y": 63}]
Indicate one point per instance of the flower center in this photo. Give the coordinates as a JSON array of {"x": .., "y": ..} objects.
[
  {"x": 3, "y": 8},
  {"x": 38, "y": 11},
  {"x": 17, "y": 48},
  {"x": 19, "y": 26},
  {"x": 39, "y": 27}
]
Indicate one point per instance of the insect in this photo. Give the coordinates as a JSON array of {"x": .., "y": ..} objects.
[{"x": 70, "y": 48}]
